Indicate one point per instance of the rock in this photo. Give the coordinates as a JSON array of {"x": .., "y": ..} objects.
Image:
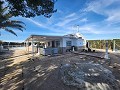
[{"x": 80, "y": 74}]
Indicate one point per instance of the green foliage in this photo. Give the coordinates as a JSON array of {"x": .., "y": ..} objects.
[
  {"x": 100, "y": 44},
  {"x": 6, "y": 23},
  {"x": 1, "y": 42},
  {"x": 31, "y": 8},
  {"x": 117, "y": 41}
]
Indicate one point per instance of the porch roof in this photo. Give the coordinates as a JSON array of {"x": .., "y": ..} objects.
[{"x": 43, "y": 38}]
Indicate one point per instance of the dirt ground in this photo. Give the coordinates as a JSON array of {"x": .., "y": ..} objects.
[{"x": 42, "y": 73}]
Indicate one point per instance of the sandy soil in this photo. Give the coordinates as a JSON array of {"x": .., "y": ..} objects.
[{"x": 42, "y": 73}]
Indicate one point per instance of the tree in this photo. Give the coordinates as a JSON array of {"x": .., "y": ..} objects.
[
  {"x": 7, "y": 24},
  {"x": 31, "y": 8},
  {"x": 1, "y": 42}
]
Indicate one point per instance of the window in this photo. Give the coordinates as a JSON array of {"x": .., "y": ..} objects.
[
  {"x": 57, "y": 43},
  {"x": 68, "y": 43}
]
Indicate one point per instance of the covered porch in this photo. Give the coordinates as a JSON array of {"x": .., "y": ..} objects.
[{"x": 43, "y": 44}]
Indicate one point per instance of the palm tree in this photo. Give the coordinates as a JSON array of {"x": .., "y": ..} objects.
[{"x": 6, "y": 23}]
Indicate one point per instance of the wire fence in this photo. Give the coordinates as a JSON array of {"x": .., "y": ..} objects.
[
  {"x": 100, "y": 44},
  {"x": 117, "y": 44}
]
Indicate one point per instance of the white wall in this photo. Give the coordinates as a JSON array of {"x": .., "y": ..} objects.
[
  {"x": 61, "y": 42},
  {"x": 80, "y": 42},
  {"x": 75, "y": 42},
  {"x": 64, "y": 41}
]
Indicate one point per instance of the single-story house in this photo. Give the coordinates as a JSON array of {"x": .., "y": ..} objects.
[{"x": 45, "y": 45}]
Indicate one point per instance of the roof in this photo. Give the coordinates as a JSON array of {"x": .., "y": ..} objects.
[
  {"x": 49, "y": 38},
  {"x": 43, "y": 38},
  {"x": 76, "y": 35}
]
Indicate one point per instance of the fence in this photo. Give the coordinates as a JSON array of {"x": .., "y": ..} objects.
[
  {"x": 117, "y": 44},
  {"x": 12, "y": 46},
  {"x": 100, "y": 44}
]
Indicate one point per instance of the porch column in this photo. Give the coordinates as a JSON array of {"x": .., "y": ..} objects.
[
  {"x": 24, "y": 44},
  {"x": 28, "y": 45},
  {"x": 38, "y": 51},
  {"x": 45, "y": 45},
  {"x": 32, "y": 48},
  {"x": 8, "y": 45}
]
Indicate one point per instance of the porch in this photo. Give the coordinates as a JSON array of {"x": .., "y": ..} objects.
[{"x": 44, "y": 45}]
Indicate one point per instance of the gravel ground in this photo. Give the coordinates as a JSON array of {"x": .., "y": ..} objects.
[{"x": 42, "y": 73}]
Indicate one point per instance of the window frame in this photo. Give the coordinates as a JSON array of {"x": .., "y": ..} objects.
[{"x": 68, "y": 43}]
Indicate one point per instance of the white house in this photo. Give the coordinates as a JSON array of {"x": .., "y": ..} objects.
[{"x": 55, "y": 44}]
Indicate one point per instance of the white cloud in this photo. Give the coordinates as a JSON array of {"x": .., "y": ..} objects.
[
  {"x": 98, "y": 6},
  {"x": 69, "y": 18},
  {"x": 47, "y": 26},
  {"x": 113, "y": 15},
  {"x": 84, "y": 20},
  {"x": 101, "y": 7},
  {"x": 95, "y": 29},
  {"x": 112, "y": 31},
  {"x": 36, "y": 23},
  {"x": 85, "y": 29},
  {"x": 71, "y": 15},
  {"x": 60, "y": 11},
  {"x": 66, "y": 21}
]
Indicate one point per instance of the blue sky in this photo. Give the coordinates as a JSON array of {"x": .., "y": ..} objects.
[{"x": 97, "y": 19}]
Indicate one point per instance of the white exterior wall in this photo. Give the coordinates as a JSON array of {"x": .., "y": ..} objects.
[
  {"x": 61, "y": 42},
  {"x": 80, "y": 42},
  {"x": 75, "y": 42},
  {"x": 64, "y": 41}
]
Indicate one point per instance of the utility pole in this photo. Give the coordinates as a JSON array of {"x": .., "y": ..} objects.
[{"x": 76, "y": 28}]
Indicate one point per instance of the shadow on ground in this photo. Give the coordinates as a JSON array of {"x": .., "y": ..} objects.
[
  {"x": 43, "y": 73},
  {"x": 10, "y": 75}
]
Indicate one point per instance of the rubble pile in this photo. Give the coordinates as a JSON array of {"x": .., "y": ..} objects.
[{"x": 83, "y": 75}]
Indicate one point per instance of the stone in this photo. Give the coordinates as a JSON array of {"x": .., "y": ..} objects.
[{"x": 81, "y": 73}]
